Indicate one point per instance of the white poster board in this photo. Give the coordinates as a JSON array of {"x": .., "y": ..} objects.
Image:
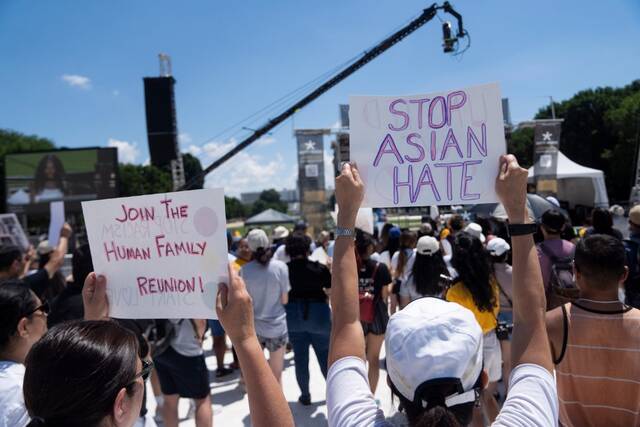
[
  {"x": 163, "y": 254},
  {"x": 56, "y": 210},
  {"x": 11, "y": 232},
  {"x": 435, "y": 149}
]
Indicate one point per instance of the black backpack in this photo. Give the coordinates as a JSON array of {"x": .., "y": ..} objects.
[
  {"x": 159, "y": 335},
  {"x": 562, "y": 287}
]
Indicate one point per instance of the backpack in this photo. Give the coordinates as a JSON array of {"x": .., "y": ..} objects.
[
  {"x": 159, "y": 335},
  {"x": 632, "y": 284},
  {"x": 562, "y": 287}
]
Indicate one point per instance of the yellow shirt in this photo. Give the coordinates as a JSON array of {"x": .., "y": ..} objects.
[
  {"x": 238, "y": 263},
  {"x": 487, "y": 319}
]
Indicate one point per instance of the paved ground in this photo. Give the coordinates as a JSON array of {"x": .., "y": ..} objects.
[{"x": 231, "y": 407}]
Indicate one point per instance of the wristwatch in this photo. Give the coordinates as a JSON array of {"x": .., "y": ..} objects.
[
  {"x": 522, "y": 229},
  {"x": 345, "y": 232}
]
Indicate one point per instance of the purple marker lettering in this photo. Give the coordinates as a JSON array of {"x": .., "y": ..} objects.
[
  {"x": 388, "y": 141},
  {"x": 403, "y": 114},
  {"x": 420, "y": 103},
  {"x": 426, "y": 178},
  {"x": 443, "y": 109},
  {"x": 481, "y": 146},
  {"x": 465, "y": 180},
  {"x": 448, "y": 166},
  {"x": 454, "y": 106},
  {"x": 418, "y": 146},
  {"x": 408, "y": 183},
  {"x": 450, "y": 141},
  {"x": 433, "y": 145}
]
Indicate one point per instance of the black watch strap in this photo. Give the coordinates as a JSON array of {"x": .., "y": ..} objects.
[{"x": 522, "y": 229}]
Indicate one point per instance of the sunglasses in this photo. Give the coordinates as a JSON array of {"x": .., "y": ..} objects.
[
  {"x": 44, "y": 308},
  {"x": 147, "y": 366}
]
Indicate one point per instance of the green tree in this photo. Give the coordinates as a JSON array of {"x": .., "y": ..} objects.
[
  {"x": 269, "y": 199},
  {"x": 600, "y": 130},
  {"x": 520, "y": 143},
  {"x": 136, "y": 180},
  {"x": 12, "y": 142},
  {"x": 234, "y": 208},
  {"x": 192, "y": 168}
]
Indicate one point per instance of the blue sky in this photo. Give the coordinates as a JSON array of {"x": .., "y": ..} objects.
[{"x": 72, "y": 71}]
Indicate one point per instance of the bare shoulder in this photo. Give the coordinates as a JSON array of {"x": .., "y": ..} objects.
[{"x": 555, "y": 330}]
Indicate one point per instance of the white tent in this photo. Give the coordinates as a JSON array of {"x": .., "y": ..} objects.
[{"x": 579, "y": 185}]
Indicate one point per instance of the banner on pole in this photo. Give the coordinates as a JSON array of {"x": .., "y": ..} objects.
[
  {"x": 435, "y": 149},
  {"x": 163, "y": 254}
]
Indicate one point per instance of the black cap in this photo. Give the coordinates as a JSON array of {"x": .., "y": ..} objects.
[{"x": 553, "y": 221}]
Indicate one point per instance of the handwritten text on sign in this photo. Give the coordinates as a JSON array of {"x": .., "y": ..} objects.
[
  {"x": 163, "y": 254},
  {"x": 439, "y": 148}
]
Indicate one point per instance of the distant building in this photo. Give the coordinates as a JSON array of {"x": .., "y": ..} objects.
[{"x": 286, "y": 195}]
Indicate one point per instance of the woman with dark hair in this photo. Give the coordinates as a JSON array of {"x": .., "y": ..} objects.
[
  {"x": 475, "y": 289},
  {"x": 373, "y": 287},
  {"x": 23, "y": 321},
  {"x": 48, "y": 180},
  {"x": 85, "y": 373},
  {"x": 392, "y": 246},
  {"x": 433, "y": 347},
  {"x": 267, "y": 282},
  {"x": 602, "y": 223},
  {"x": 308, "y": 313},
  {"x": 424, "y": 279}
]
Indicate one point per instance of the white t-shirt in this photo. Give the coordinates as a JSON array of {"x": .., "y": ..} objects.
[
  {"x": 385, "y": 259},
  {"x": 532, "y": 400},
  {"x": 185, "y": 341},
  {"x": 320, "y": 255},
  {"x": 266, "y": 284},
  {"x": 13, "y": 413},
  {"x": 281, "y": 254},
  {"x": 410, "y": 259}
]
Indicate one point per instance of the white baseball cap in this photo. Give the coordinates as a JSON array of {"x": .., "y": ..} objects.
[
  {"x": 257, "y": 238},
  {"x": 280, "y": 232},
  {"x": 475, "y": 230},
  {"x": 432, "y": 339},
  {"x": 427, "y": 245},
  {"x": 497, "y": 246}
]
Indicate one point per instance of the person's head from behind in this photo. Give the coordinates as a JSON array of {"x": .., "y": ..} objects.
[
  {"x": 50, "y": 169},
  {"x": 434, "y": 362},
  {"x": 364, "y": 244},
  {"x": 244, "y": 251},
  {"x": 600, "y": 263},
  {"x": 384, "y": 233},
  {"x": 85, "y": 373},
  {"x": 393, "y": 240},
  {"x": 634, "y": 219},
  {"x": 408, "y": 239},
  {"x": 297, "y": 245},
  {"x": 259, "y": 245},
  {"x": 324, "y": 238},
  {"x": 601, "y": 220},
  {"x": 498, "y": 250},
  {"x": 428, "y": 266},
  {"x": 11, "y": 261},
  {"x": 23, "y": 320},
  {"x": 456, "y": 223},
  {"x": 553, "y": 222},
  {"x": 81, "y": 264},
  {"x": 472, "y": 264}
]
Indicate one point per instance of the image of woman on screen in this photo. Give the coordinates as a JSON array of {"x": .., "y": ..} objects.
[{"x": 49, "y": 180}]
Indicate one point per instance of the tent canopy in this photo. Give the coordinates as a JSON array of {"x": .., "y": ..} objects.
[
  {"x": 270, "y": 216},
  {"x": 577, "y": 184}
]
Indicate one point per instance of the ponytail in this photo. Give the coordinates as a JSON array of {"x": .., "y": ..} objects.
[
  {"x": 407, "y": 241},
  {"x": 262, "y": 255}
]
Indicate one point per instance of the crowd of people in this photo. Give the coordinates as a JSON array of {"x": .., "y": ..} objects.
[{"x": 488, "y": 322}]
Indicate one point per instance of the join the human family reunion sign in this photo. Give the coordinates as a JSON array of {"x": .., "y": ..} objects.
[{"x": 164, "y": 254}]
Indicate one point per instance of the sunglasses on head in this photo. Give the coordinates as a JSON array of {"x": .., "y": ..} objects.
[
  {"x": 147, "y": 366},
  {"x": 44, "y": 308}
]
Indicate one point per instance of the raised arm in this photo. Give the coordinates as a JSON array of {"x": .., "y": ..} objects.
[
  {"x": 530, "y": 343},
  {"x": 267, "y": 404},
  {"x": 347, "y": 338},
  {"x": 57, "y": 256}
]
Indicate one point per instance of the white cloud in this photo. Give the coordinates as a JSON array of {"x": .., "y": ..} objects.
[
  {"x": 266, "y": 140},
  {"x": 337, "y": 125},
  {"x": 127, "y": 152},
  {"x": 115, "y": 92},
  {"x": 194, "y": 150},
  {"x": 75, "y": 80},
  {"x": 329, "y": 176},
  {"x": 184, "y": 138}
]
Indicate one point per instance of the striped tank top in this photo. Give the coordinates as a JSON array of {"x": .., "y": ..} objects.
[{"x": 598, "y": 371}]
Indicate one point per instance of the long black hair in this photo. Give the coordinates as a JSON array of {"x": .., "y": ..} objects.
[
  {"x": 426, "y": 273},
  {"x": 16, "y": 300},
  {"x": 75, "y": 372},
  {"x": 472, "y": 264},
  {"x": 40, "y": 178},
  {"x": 407, "y": 241}
]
